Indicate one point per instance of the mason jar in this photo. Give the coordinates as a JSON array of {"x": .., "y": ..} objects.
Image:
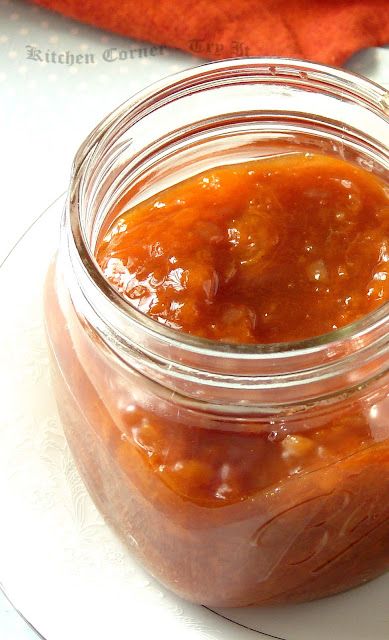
[{"x": 238, "y": 474}]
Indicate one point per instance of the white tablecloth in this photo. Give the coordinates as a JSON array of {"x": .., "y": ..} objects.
[{"x": 49, "y": 103}]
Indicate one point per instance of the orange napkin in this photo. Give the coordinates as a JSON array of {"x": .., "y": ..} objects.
[{"x": 326, "y": 31}]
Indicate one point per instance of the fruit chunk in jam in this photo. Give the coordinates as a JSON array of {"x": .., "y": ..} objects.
[{"x": 274, "y": 250}]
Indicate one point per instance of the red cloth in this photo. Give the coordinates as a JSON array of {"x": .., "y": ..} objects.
[{"x": 326, "y": 31}]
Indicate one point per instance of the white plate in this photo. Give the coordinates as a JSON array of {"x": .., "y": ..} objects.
[{"x": 61, "y": 566}]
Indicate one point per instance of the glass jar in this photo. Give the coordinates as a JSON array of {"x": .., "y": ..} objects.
[{"x": 238, "y": 474}]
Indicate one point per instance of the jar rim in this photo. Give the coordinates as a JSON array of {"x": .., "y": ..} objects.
[{"x": 371, "y": 93}]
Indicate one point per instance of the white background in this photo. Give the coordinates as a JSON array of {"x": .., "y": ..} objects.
[{"x": 46, "y": 109}]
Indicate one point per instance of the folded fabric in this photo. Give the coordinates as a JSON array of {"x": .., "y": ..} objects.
[{"x": 326, "y": 31}]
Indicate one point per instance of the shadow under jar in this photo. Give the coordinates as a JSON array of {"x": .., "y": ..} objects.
[{"x": 239, "y": 474}]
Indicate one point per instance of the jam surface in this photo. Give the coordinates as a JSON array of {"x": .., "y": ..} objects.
[{"x": 273, "y": 250}]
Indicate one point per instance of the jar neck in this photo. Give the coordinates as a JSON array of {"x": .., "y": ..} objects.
[{"x": 129, "y": 156}]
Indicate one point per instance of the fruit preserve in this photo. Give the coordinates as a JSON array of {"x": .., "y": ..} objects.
[{"x": 217, "y": 316}]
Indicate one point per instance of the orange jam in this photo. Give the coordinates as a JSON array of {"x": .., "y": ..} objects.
[
  {"x": 273, "y": 250},
  {"x": 270, "y": 507}
]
